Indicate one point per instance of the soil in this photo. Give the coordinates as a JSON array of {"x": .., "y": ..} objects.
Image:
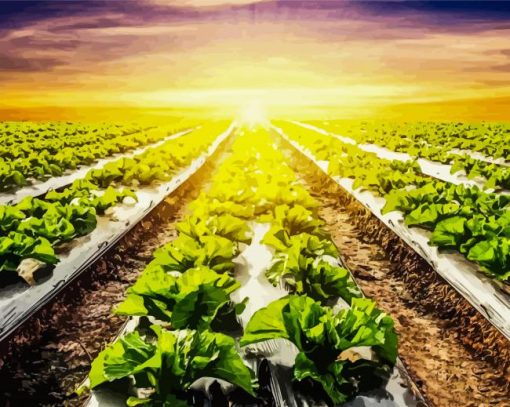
[
  {"x": 50, "y": 356},
  {"x": 445, "y": 372}
]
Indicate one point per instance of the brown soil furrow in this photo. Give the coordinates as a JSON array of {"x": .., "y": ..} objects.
[
  {"x": 445, "y": 371},
  {"x": 51, "y": 355}
]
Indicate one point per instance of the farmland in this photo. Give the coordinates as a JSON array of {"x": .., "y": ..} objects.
[
  {"x": 255, "y": 263},
  {"x": 254, "y": 203}
]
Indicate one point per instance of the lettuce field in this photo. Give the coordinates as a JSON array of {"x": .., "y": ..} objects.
[{"x": 277, "y": 263}]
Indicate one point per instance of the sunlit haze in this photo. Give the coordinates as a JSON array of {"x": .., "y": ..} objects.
[{"x": 330, "y": 58}]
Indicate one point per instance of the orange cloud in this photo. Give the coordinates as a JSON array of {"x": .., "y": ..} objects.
[{"x": 161, "y": 54}]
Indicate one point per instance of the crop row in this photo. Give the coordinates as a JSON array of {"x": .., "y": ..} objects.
[
  {"x": 447, "y": 143},
  {"x": 428, "y": 139},
  {"x": 31, "y": 152},
  {"x": 465, "y": 219},
  {"x": 31, "y": 230},
  {"x": 187, "y": 293}
]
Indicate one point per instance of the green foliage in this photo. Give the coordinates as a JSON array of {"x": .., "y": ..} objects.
[
  {"x": 294, "y": 220},
  {"x": 10, "y": 218},
  {"x": 193, "y": 299},
  {"x": 16, "y": 246},
  {"x": 496, "y": 176},
  {"x": 298, "y": 265},
  {"x": 303, "y": 242},
  {"x": 185, "y": 252},
  {"x": 459, "y": 216},
  {"x": 171, "y": 364},
  {"x": 72, "y": 212},
  {"x": 493, "y": 254},
  {"x": 225, "y": 225},
  {"x": 317, "y": 278},
  {"x": 38, "y": 151},
  {"x": 321, "y": 336}
]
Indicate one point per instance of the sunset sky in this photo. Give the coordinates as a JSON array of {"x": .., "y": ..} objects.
[{"x": 296, "y": 58}]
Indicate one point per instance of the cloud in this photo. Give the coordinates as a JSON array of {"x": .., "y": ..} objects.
[
  {"x": 118, "y": 51},
  {"x": 10, "y": 63},
  {"x": 495, "y": 83},
  {"x": 203, "y": 3},
  {"x": 500, "y": 68}
]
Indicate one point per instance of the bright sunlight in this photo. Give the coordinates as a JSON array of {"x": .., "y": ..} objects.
[{"x": 253, "y": 114}]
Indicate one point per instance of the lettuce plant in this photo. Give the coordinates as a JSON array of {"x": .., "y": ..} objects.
[
  {"x": 194, "y": 299},
  {"x": 324, "y": 338},
  {"x": 170, "y": 365},
  {"x": 185, "y": 252},
  {"x": 225, "y": 225}
]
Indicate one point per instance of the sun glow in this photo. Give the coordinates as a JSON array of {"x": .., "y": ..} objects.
[{"x": 253, "y": 115}]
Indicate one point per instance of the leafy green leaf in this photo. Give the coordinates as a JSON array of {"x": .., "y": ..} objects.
[
  {"x": 295, "y": 220},
  {"x": 127, "y": 356},
  {"x": 449, "y": 233},
  {"x": 226, "y": 225},
  {"x": 192, "y": 299},
  {"x": 493, "y": 256},
  {"x": 185, "y": 252},
  {"x": 17, "y": 246},
  {"x": 321, "y": 336},
  {"x": 172, "y": 364},
  {"x": 10, "y": 217}
]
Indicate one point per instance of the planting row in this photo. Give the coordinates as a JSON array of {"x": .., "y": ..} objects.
[
  {"x": 466, "y": 219},
  {"x": 194, "y": 295},
  {"x": 32, "y": 229},
  {"x": 428, "y": 139},
  {"x": 477, "y": 150},
  {"x": 32, "y": 152}
]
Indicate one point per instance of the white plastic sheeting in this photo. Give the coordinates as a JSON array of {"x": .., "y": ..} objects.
[
  {"x": 481, "y": 291},
  {"x": 431, "y": 168},
  {"x": 251, "y": 265},
  {"x": 41, "y": 187},
  {"x": 19, "y": 301}
]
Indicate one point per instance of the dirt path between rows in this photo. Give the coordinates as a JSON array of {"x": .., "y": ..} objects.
[
  {"x": 44, "y": 369},
  {"x": 442, "y": 368}
]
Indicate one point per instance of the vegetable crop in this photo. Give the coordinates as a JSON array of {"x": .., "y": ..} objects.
[
  {"x": 466, "y": 219},
  {"x": 187, "y": 290}
]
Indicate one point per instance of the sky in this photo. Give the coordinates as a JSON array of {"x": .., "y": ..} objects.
[{"x": 335, "y": 59}]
